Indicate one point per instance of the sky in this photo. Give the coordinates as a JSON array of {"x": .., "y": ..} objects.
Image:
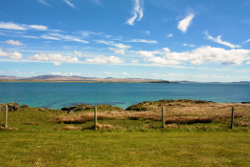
[{"x": 194, "y": 40}]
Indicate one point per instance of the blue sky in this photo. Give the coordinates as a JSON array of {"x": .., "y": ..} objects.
[{"x": 192, "y": 40}]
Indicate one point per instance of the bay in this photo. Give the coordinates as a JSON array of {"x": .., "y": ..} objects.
[{"x": 57, "y": 95}]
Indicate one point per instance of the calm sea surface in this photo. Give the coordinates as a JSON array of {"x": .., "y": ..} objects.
[{"x": 58, "y": 95}]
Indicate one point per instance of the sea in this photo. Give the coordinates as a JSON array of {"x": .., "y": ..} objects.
[{"x": 58, "y": 95}]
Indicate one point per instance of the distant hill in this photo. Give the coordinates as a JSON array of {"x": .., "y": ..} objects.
[{"x": 59, "y": 78}]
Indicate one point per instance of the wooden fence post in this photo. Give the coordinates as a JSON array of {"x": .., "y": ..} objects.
[
  {"x": 232, "y": 119},
  {"x": 6, "y": 116},
  {"x": 163, "y": 120},
  {"x": 95, "y": 117}
]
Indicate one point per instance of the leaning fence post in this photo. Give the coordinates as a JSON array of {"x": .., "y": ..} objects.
[
  {"x": 232, "y": 119},
  {"x": 95, "y": 117},
  {"x": 6, "y": 116},
  {"x": 163, "y": 123}
]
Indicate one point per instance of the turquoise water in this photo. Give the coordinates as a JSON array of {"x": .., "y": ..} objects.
[{"x": 58, "y": 95}]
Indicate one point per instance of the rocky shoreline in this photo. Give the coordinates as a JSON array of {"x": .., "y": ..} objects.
[{"x": 143, "y": 106}]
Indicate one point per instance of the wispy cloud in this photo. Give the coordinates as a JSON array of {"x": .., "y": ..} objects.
[
  {"x": 118, "y": 51},
  {"x": 38, "y": 27},
  {"x": 53, "y": 57},
  {"x": 49, "y": 37},
  {"x": 247, "y": 41},
  {"x": 190, "y": 45},
  {"x": 142, "y": 40},
  {"x": 135, "y": 61},
  {"x": 111, "y": 43},
  {"x": 70, "y": 4},
  {"x": 218, "y": 40},
  {"x": 104, "y": 60},
  {"x": 170, "y": 35},
  {"x": 138, "y": 10},
  {"x": 98, "y": 2},
  {"x": 184, "y": 24},
  {"x": 43, "y": 2},
  {"x": 78, "y": 53},
  {"x": 15, "y": 26},
  {"x": 57, "y": 36},
  {"x": 88, "y": 33},
  {"x": 10, "y": 55},
  {"x": 15, "y": 43}
]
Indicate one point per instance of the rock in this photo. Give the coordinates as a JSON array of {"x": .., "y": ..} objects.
[
  {"x": 41, "y": 109},
  {"x": 68, "y": 108},
  {"x": 11, "y": 106},
  {"x": 25, "y": 106},
  {"x": 71, "y": 112}
]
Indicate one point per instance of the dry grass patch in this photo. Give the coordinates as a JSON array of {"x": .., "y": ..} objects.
[
  {"x": 180, "y": 112},
  {"x": 71, "y": 128},
  {"x": 7, "y": 128},
  {"x": 104, "y": 126},
  {"x": 31, "y": 123},
  {"x": 172, "y": 126}
]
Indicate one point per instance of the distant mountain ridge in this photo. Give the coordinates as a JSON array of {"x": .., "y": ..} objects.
[{"x": 59, "y": 78}]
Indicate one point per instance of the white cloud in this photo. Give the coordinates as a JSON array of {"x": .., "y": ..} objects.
[
  {"x": 97, "y": 2},
  {"x": 124, "y": 73},
  {"x": 142, "y": 40},
  {"x": 15, "y": 43},
  {"x": 118, "y": 51},
  {"x": 248, "y": 62},
  {"x": 138, "y": 10},
  {"x": 78, "y": 53},
  {"x": 168, "y": 75},
  {"x": 134, "y": 61},
  {"x": 88, "y": 33},
  {"x": 53, "y": 57},
  {"x": 247, "y": 41},
  {"x": 183, "y": 24},
  {"x": 21, "y": 72},
  {"x": 1, "y": 72},
  {"x": 57, "y": 63},
  {"x": 170, "y": 35},
  {"x": 146, "y": 53},
  {"x": 43, "y": 2},
  {"x": 197, "y": 56},
  {"x": 38, "y": 27},
  {"x": 64, "y": 37},
  {"x": 14, "y": 26},
  {"x": 131, "y": 20},
  {"x": 190, "y": 45},
  {"x": 104, "y": 60},
  {"x": 111, "y": 43},
  {"x": 159, "y": 61},
  {"x": 218, "y": 40},
  {"x": 210, "y": 54},
  {"x": 244, "y": 77},
  {"x": 10, "y": 55},
  {"x": 107, "y": 73},
  {"x": 56, "y": 73},
  {"x": 49, "y": 37},
  {"x": 70, "y": 4},
  {"x": 213, "y": 76}
]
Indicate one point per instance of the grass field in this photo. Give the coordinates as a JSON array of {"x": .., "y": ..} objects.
[{"x": 38, "y": 138}]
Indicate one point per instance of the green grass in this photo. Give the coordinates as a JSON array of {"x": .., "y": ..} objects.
[{"x": 39, "y": 141}]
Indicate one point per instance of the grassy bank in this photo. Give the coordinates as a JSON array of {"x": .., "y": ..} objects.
[
  {"x": 47, "y": 137},
  {"x": 76, "y": 148}
]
